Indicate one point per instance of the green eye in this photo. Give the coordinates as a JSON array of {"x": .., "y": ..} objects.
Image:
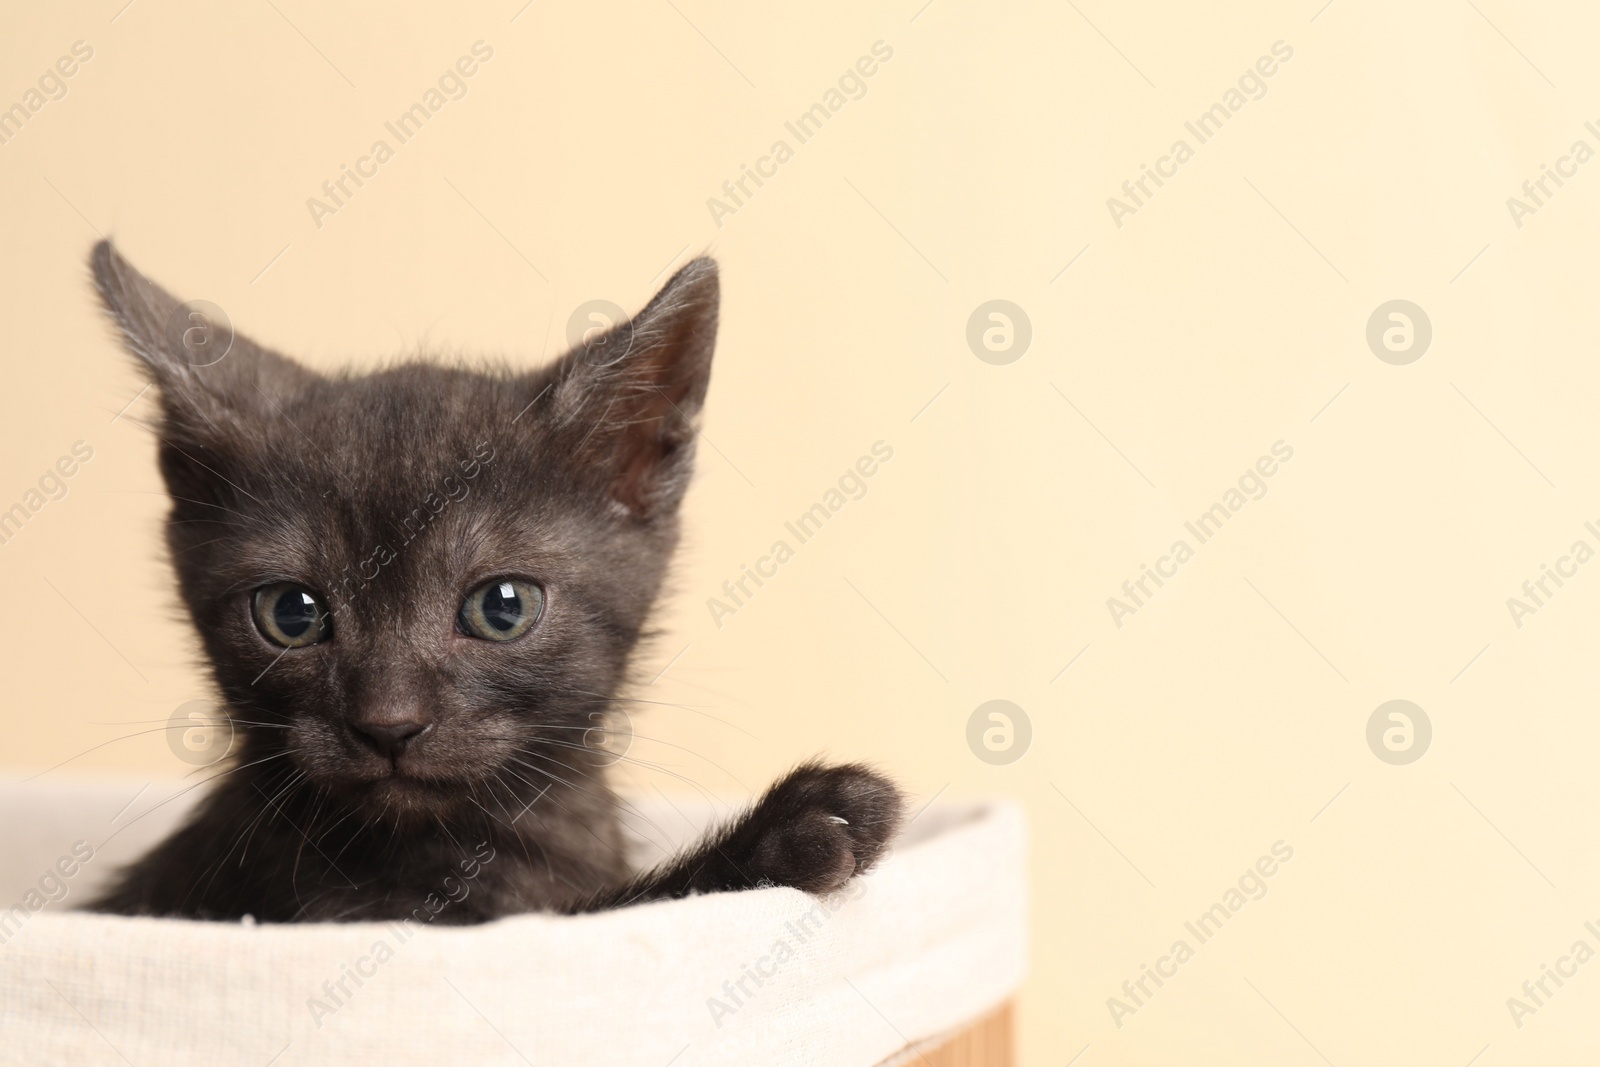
[
  {"x": 289, "y": 615},
  {"x": 502, "y": 610}
]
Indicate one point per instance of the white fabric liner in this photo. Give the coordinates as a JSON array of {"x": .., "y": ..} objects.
[{"x": 931, "y": 940}]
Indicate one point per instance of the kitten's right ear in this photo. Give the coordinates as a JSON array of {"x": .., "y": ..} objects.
[{"x": 206, "y": 371}]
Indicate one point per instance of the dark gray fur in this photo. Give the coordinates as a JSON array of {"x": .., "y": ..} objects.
[{"x": 569, "y": 475}]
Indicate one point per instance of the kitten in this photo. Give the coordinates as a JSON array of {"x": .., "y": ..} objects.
[{"x": 415, "y": 589}]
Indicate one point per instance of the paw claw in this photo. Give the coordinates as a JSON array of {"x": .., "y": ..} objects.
[{"x": 805, "y": 842}]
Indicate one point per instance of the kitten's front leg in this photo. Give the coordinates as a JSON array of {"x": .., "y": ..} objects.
[{"x": 813, "y": 830}]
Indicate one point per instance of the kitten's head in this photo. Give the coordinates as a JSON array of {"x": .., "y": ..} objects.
[{"x": 415, "y": 582}]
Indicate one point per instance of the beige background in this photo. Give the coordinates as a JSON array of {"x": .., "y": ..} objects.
[{"x": 1227, "y": 314}]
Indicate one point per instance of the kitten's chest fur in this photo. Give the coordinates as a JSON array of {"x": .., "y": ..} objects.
[{"x": 293, "y": 857}]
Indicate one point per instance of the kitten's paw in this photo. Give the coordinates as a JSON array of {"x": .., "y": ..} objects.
[{"x": 820, "y": 826}]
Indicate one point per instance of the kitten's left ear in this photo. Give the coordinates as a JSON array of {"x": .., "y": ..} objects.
[
  {"x": 627, "y": 399},
  {"x": 204, "y": 369}
]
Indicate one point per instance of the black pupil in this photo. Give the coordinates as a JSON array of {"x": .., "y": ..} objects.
[
  {"x": 294, "y": 613},
  {"x": 502, "y": 607}
]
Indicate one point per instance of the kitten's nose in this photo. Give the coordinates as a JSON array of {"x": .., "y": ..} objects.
[{"x": 391, "y": 737}]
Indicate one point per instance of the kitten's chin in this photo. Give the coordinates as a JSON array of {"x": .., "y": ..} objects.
[{"x": 409, "y": 797}]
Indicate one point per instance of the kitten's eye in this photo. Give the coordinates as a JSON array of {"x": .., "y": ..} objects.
[
  {"x": 288, "y": 615},
  {"x": 502, "y": 610}
]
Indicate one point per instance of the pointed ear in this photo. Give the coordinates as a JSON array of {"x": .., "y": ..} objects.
[
  {"x": 628, "y": 398},
  {"x": 207, "y": 373}
]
